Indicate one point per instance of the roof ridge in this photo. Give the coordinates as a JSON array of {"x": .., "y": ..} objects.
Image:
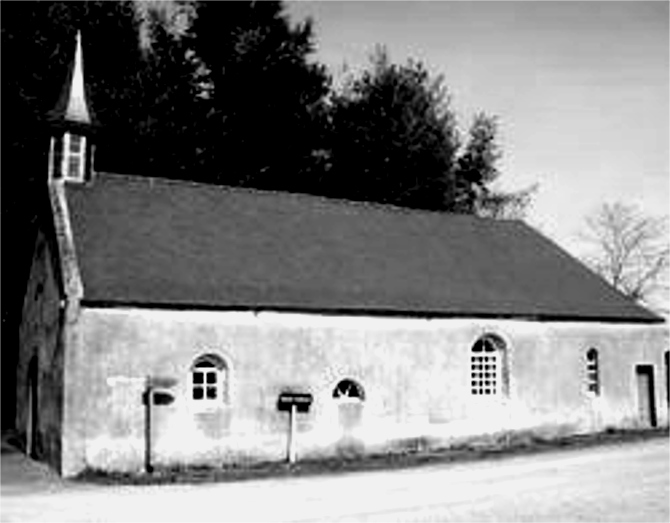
[{"x": 380, "y": 206}]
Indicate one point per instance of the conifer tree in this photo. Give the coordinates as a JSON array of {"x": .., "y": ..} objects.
[
  {"x": 266, "y": 97},
  {"x": 394, "y": 137}
]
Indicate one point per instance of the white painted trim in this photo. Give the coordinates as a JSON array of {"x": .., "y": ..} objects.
[
  {"x": 52, "y": 146},
  {"x": 654, "y": 392},
  {"x": 82, "y": 159},
  {"x": 67, "y": 154}
]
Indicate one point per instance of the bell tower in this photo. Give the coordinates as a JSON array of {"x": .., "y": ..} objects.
[{"x": 72, "y": 129}]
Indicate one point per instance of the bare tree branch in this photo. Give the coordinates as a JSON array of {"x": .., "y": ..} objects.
[{"x": 630, "y": 250}]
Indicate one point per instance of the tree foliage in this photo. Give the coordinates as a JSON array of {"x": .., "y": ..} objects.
[
  {"x": 476, "y": 172},
  {"x": 173, "y": 111},
  {"x": 227, "y": 93},
  {"x": 37, "y": 47},
  {"x": 629, "y": 249},
  {"x": 266, "y": 97},
  {"x": 394, "y": 139}
]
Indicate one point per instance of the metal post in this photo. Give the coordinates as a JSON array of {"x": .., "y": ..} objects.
[
  {"x": 291, "y": 435},
  {"x": 148, "y": 467}
]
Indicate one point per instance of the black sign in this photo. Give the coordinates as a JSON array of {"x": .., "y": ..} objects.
[
  {"x": 163, "y": 398},
  {"x": 301, "y": 400},
  {"x": 159, "y": 397}
]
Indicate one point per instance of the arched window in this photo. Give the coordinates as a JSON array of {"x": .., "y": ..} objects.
[
  {"x": 349, "y": 389},
  {"x": 592, "y": 372},
  {"x": 488, "y": 366},
  {"x": 209, "y": 379}
]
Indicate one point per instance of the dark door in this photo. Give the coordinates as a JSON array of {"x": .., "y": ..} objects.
[
  {"x": 32, "y": 410},
  {"x": 667, "y": 378},
  {"x": 645, "y": 394}
]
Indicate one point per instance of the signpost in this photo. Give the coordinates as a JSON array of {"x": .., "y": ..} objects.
[
  {"x": 151, "y": 396},
  {"x": 293, "y": 402}
]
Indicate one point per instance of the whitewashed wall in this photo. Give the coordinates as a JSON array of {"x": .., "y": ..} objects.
[{"x": 415, "y": 373}]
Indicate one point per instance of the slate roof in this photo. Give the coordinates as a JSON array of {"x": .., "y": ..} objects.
[{"x": 178, "y": 244}]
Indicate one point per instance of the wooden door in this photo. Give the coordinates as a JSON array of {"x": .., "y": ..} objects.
[
  {"x": 645, "y": 394},
  {"x": 32, "y": 409},
  {"x": 667, "y": 378}
]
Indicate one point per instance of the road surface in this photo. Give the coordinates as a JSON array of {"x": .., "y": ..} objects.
[{"x": 626, "y": 482}]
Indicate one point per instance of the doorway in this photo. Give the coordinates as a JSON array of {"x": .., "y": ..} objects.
[
  {"x": 644, "y": 375},
  {"x": 667, "y": 378},
  {"x": 32, "y": 411}
]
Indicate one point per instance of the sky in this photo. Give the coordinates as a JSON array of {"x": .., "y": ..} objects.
[{"x": 581, "y": 89}]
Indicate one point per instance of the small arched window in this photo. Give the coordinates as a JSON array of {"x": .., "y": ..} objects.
[
  {"x": 209, "y": 379},
  {"x": 348, "y": 389},
  {"x": 592, "y": 372},
  {"x": 487, "y": 362}
]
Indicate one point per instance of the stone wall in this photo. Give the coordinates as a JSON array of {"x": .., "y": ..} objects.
[
  {"x": 41, "y": 359},
  {"x": 415, "y": 375}
]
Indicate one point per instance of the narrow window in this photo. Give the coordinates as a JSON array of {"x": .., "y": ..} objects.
[
  {"x": 73, "y": 167},
  {"x": 349, "y": 390},
  {"x": 209, "y": 379},
  {"x": 486, "y": 366},
  {"x": 592, "y": 372},
  {"x": 73, "y": 157},
  {"x": 75, "y": 143}
]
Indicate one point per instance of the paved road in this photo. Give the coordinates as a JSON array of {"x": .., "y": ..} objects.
[{"x": 627, "y": 482}]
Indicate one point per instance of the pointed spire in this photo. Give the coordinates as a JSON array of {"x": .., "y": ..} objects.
[
  {"x": 72, "y": 127},
  {"x": 77, "y": 110}
]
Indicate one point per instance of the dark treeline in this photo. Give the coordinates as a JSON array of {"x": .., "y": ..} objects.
[{"x": 230, "y": 93}]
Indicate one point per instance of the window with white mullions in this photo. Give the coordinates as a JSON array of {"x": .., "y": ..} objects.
[
  {"x": 487, "y": 362},
  {"x": 349, "y": 389},
  {"x": 75, "y": 143},
  {"x": 209, "y": 379},
  {"x": 74, "y": 147}
]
